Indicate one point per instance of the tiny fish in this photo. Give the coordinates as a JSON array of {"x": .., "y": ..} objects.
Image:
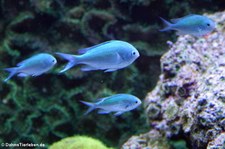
[
  {"x": 196, "y": 25},
  {"x": 108, "y": 56},
  {"x": 118, "y": 103},
  {"x": 33, "y": 66}
]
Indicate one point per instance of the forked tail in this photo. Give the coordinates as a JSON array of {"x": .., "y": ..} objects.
[
  {"x": 71, "y": 61},
  {"x": 168, "y": 25},
  {"x": 12, "y": 72},
  {"x": 90, "y": 105}
]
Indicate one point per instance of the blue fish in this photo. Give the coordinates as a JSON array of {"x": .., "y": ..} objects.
[
  {"x": 33, "y": 66},
  {"x": 196, "y": 25},
  {"x": 118, "y": 103},
  {"x": 108, "y": 56}
]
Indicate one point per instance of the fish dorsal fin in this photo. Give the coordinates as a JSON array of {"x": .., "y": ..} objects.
[
  {"x": 178, "y": 19},
  {"x": 85, "y": 50},
  {"x": 100, "y": 99},
  {"x": 108, "y": 97},
  {"x": 22, "y": 62},
  {"x": 105, "y": 98}
]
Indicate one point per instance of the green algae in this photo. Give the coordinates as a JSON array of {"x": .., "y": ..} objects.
[
  {"x": 178, "y": 144},
  {"x": 171, "y": 111},
  {"x": 79, "y": 142}
]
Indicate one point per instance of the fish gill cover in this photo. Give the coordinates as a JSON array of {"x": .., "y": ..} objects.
[{"x": 46, "y": 109}]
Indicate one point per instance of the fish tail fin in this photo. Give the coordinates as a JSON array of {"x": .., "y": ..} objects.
[
  {"x": 90, "y": 105},
  {"x": 12, "y": 71},
  {"x": 167, "y": 23},
  {"x": 71, "y": 61}
]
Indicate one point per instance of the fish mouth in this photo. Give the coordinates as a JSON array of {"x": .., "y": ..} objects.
[
  {"x": 138, "y": 55},
  {"x": 139, "y": 103},
  {"x": 55, "y": 62}
]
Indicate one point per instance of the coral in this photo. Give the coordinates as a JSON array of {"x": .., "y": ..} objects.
[
  {"x": 218, "y": 142},
  {"x": 78, "y": 142},
  {"x": 152, "y": 139},
  {"x": 188, "y": 100}
]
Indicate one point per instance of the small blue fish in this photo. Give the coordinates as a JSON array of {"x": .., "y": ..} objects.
[
  {"x": 108, "y": 56},
  {"x": 33, "y": 66},
  {"x": 118, "y": 103},
  {"x": 193, "y": 24}
]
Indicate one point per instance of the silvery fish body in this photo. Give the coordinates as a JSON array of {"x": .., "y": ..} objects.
[
  {"x": 108, "y": 56},
  {"x": 118, "y": 103},
  {"x": 33, "y": 66},
  {"x": 196, "y": 25}
]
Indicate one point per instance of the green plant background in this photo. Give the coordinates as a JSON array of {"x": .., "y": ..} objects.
[{"x": 46, "y": 109}]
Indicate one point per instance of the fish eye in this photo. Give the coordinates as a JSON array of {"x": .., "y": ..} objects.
[
  {"x": 208, "y": 24},
  {"x": 53, "y": 61},
  {"x": 136, "y": 101},
  {"x": 133, "y": 53}
]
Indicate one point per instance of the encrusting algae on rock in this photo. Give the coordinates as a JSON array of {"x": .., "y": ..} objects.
[
  {"x": 78, "y": 142},
  {"x": 189, "y": 100}
]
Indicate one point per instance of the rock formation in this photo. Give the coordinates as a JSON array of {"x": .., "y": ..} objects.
[{"x": 188, "y": 101}]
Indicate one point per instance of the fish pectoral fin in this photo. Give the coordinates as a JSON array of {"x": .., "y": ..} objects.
[
  {"x": 103, "y": 111},
  {"x": 200, "y": 30},
  {"x": 118, "y": 113},
  {"x": 127, "y": 106},
  {"x": 110, "y": 70},
  {"x": 22, "y": 75},
  {"x": 87, "y": 68}
]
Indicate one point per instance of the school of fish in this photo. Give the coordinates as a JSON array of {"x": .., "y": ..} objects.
[{"x": 109, "y": 56}]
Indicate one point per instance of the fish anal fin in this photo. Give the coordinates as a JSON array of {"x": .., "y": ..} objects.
[
  {"x": 37, "y": 74},
  {"x": 110, "y": 70},
  {"x": 101, "y": 111},
  {"x": 22, "y": 75},
  {"x": 87, "y": 68},
  {"x": 118, "y": 113}
]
